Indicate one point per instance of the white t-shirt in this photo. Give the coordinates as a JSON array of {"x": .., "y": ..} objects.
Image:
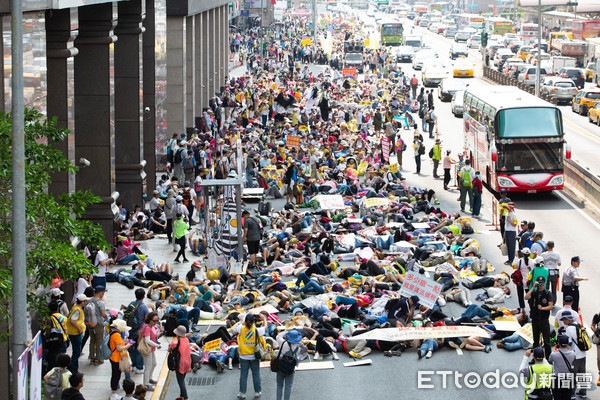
[
  {"x": 80, "y": 287},
  {"x": 101, "y": 256},
  {"x": 507, "y": 224},
  {"x": 571, "y": 332}
]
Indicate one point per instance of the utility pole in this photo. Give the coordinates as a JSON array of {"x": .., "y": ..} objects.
[
  {"x": 314, "y": 20},
  {"x": 19, "y": 274},
  {"x": 539, "y": 50}
]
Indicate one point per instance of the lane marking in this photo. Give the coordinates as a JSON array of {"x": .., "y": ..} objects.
[
  {"x": 459, "y": 352},
  {"x": 579, "y": 210}
]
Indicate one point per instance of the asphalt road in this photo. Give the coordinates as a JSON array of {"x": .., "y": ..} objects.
[{"x": 398, "y": 377}]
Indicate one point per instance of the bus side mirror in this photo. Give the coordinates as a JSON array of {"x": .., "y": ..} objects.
[
  {"x": 494, "y": 153},
  {"x": 567, "y": 151}
]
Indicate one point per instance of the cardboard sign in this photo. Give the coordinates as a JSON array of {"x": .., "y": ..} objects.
[
  {"x": 526, "y": 332},
  {"x": 507, "y": 325},
  {"x": 292, "y": 141},
  {"x": 426, "y": 289},
  {"x": 385, "y": 148},
  {"x": 212, "y": 345},
  {"x": 349, "y": 72},
  {"x": 331, "y": 202},
  {"x": 376, "y": 202},
  {"x": 410, "y": 333},
  {"x": 306, "y": 42}
]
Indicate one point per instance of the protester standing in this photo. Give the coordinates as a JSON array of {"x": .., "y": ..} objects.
[
  {"x": 248, "y": 337},
  {"x": 290, "y": 347},
  {"x": 510, "y": 231},
  {"x": 149, "y": 332},
  {"x": 596, "y": 330},
  {"x": 436, "y": 157},
  {"x": 562, "y": 360},
  {"x": 447, "y": 165},
  {"x": 118, "y": 348},
  {"x": 477, "y": 193},
  {"x": 552, "y": 261},
  {"x": 97, "y": 329},
  {"x": 571, "y": 279},
  {"x": 185, "y": 358},
  {"x": 180, "y": 228},
  {"x": 571, "y": 327},
  {"x": 76, "y": 329},
  {"x": 466, "y": 175}
]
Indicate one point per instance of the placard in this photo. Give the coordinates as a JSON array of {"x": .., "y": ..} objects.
[
  {"x": 417, "y": 285},
  {"x": 377, "y": 201},
  {"x": 292, "y": 141},
  {"x": 385, "y": 148},
  {"x": 35, "y": 380},
  {"x": 411, "y": 333},
  {"x": 526, "y": 332},
  {"x": 349, "y": 72},
  {"x": 211, "y": 258},
  {"x": 212, "y": 345},
  {"x": 331, "y": 201}
]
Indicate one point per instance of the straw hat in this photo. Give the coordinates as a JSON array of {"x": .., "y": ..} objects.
[{"x": 120, "y": 325}]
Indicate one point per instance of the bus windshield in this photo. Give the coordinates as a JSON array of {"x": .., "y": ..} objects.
[
  {"x": 529, "y": 122},
  {"x": 530, "y": 157},
  {"x": 391, "y": 30}
]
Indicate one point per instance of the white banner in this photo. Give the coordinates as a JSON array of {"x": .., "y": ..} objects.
[
  {"x": 35, "y": 380},
  {"x": 409, "y": 333},
  {"x": 331, "y": 202},
  {"x": 417, "y": 285},
  {"x": 22, "y": 375}
]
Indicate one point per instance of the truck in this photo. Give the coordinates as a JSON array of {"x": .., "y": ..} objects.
[
  {"x": 556, "y": 63},
  {"x": 557, "y": 36},
  {"x": 353, "y": 56},
  {"x": 571, "y": 48}
]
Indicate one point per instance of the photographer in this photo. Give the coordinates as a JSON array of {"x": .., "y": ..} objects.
[
  {"x": 180, "y": 228},
  {"x": 540, "y": 304}
]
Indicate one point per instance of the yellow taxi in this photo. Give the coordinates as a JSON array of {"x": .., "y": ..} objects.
[
  {"x": 524, "y": 51},
  {"x": 463, "y": 68},
  {"x": 594, "y": 114},
  {"x": 589, "y": 72},
  {"x": 584, "y": 100}
]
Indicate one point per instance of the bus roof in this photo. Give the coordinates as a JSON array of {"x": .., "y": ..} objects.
[{"x": 505, "y": 97}]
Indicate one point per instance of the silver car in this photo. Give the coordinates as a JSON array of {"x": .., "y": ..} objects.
[
  {"x": 562, "y": 88},
  {"x": 457, "y": 103},
  {"x": 529, "y": 75}
]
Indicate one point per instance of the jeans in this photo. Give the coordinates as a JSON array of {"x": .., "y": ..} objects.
[
  {"x": 384, "y": 242},
  {"x": 513, "y": 342},
  {"x": 128, "y": 258},
  {"x": 76, "y": 346},
  {"x": 263, "y": 280},
  {"x": 124, "y": 277},
  {"x": 475, "y": 311},
  {"x": 429, "y": 344},
  {"x": 136, "y": 357},
  {"x": 181, "y": 383},
  {"x": 476, "y": 203},
  {"x": 253, "y": 365},
  {"x": 288, "y": 381},
  {"x": 312, "y": 287},
  {"x": 345, "y": 300},
  {"x": 418, "y": 163},
  {"x": 192, "y": 315}
]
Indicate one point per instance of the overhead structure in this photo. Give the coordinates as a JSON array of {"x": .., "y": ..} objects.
[{"x": 583, "y": 6}]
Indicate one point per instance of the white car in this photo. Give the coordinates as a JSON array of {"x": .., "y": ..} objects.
[
  {"x": 433, "y": 74},
  {"x": 422, "y": 55},
  {"x": 457, "y": 103},
  {"x": 474, "y": 41}
]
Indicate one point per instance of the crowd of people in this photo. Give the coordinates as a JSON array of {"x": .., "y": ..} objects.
[{"x": 323, "y": 267}]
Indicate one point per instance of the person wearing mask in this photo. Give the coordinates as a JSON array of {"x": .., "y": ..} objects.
[
  {"x": 477, "y": 193},
  {"x": 552, "y": 262},
  {"x": 562, "y": 360},
  {"x": 76, "y": 329},
  {"x": 571, "y": 279},
  {"x": 465, "y": 176},
  {"x": 74, "y": 392},
  {"x": 293, "y": 347},
  {"x": 436, "y": 157},
  {"x": 537, "y": 373},
  {"x": 248, "y": 336},
  {"x": 540, "y": 304},
  {"x": 118, "y": 348},
  {"x": 150, "y": 333},
  {"x": 180, "y": 228},
  {"x": 580, "y": 355},
  {"x": 182, "y": 343}
]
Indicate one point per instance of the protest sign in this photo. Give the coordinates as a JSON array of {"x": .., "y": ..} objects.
[
  {"x": 376, "y": 202},
  {"x": 526, "y": 333},
  {"x": 292, "y": 141},
  {"x": 349, "y": 72},
  {"x": 385, "y": 148},
  {"x": 417, "y": 285},
  {"x": 410, "y": 333},
  {"x": 331, "y": 202},
  {"x": 212, "y": 345}
]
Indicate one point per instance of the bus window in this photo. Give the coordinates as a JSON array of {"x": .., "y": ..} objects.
[
  {"x": 529, "y": 122},
  {"x": 532, "y": 157}
]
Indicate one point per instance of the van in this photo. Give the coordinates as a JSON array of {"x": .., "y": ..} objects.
[{"x": 413, "y": 41}]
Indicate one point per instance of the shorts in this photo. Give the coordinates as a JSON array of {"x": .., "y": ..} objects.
[{"x": 253, "y": 246}]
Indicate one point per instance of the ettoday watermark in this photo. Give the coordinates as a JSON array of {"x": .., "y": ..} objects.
[{"x": 497, "y": 380}]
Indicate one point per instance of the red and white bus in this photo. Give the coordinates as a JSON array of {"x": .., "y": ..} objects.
[
  {"x": 585, "y": 29},
  {"x": 528, "y": 33},
  {"x": 515, "y": 139}
]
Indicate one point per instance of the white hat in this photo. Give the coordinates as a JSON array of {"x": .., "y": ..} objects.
[
  {"x": 56, "y": 292},
  {"x": 120, "y": 325},
  {"x": 526, "y": 250},
  {"x": 82, "y": 297},
  {"x": 178, "y": 198},
  {"x": 539, "y": 260}
]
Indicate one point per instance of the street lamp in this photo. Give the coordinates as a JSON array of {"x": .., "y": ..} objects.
[{"x": 539, "y": 50}]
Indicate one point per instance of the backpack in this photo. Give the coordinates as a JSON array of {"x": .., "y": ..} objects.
[
  {"x": 178, "y": 156},
  {"x": 422, "y": 112},
  {"x": 466, "y": 179},
  {"x": 187, "y": 197},
  {"x": 188, "y": 166},
  {"x": 54, "y": 340},
  {"x": 173, "y": 357},
  {"x": 130, "y": 316},
  {"x": 54, "y": 387},
  {"x": 431, "y": 153},
  {"x": 583, "y": 340},
  {"x": 105, "y": 350},
  {"x": 428, "y": 117},
  {"x": 90, "y": 312},
  {"x": 288, "y": 361},
  {"x": 171, "y": 323},
  {"x": 421, "y": 149}
]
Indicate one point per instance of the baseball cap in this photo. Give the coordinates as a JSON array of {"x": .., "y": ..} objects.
[
  {"x": 82, "y": 297},
  {"x": 541, "y": 279},
  {"x": 526, "y": 250},
  {"x": 568, "y": 299},
  {"x": 568, "y": 316},
  {"x": 563, "y": 340},
  {"x": 576, "y": 259},
  {"x": 178, "y": 198},
  {"x": 415, "y": 299},
  {"x": 56, "y": 292},
  {"x": 538, "y": 353}
]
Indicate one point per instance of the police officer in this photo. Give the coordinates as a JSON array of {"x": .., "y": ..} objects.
[
  {"x": 538, "y": 375},
  {"x": 540, "y": 304},
  {"x": 571, "y": 281}
]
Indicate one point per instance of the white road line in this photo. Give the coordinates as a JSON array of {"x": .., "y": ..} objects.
[
  {"x": 459, "y": 352},
  {"x": 579, "y": 210}
]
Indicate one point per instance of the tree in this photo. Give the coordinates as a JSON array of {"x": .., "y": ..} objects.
[{"x": 51, "y": 222}]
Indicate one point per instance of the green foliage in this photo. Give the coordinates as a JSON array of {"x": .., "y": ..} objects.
[{"x": 51, "y": 224}]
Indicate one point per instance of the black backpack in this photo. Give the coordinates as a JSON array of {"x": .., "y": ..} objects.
[
  {"x": 171, "y": 323},
  {"x": 178, "y": 156},
  {"x": 53, "y": 340},
  {"x": 130, "y": 316},
  {"x": 431, "y": 153},
  {"x": 174, "y": 357},
  {"x": 287, "y": 362}
]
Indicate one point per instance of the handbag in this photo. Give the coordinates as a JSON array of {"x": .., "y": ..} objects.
[
  {"x": 504, "y": 249},
  {"x": 260, "y": 353},
  {"x": 596, "y": 337},
  {"x": 124, "y": 362},
  {"x": 143, "y": 347},
  {"x": 275, "y": 361}
]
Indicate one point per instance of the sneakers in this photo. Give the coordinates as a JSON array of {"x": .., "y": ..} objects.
[
  {"x": 230, "y": 367},
  {"x": 317, "y": 356},
  {"x": 150, "y": 388},
  {"x": 153, "y": 382},
  {"x": 257, "y": 395},
  {"x": 195, "y": 368},
  {"x": 335, "y": 356},
  {"x": 387, "y": 353},
  {"x": 429, "y": 354},
  {"x": 134, "y": 370},
  {"x": 453, "y": 345},
  {"x": 241, "y": 395}
]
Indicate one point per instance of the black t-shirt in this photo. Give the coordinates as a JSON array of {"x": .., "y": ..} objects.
[
  {"x": 596, "y": 320},
  {"x": 543, "y": 298},
  {"x": 191, "y": 275},
  {"x": 375, "y": 269},
  {"x": 317, "y": 268}
]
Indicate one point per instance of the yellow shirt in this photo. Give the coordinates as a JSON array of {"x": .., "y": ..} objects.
[{"x": 80, "y": 321}]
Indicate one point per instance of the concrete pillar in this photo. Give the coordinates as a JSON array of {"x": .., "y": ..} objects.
[
  {"x": 59, "y": 64},
  {"x": 190, "y": 59},
  {"x": 149, "y": 94},
  {"x": 225, "y": 45},
  {"x": 129, "y": 164},
  {"x": 214, "y": 44},
  {"x": 200, "y": 55},
  {"x": 218, "y": 49},
  {"x": 176, "y": 63},
  {"x": 94, "y": 112},
  {"x": 207, "y": 70}
]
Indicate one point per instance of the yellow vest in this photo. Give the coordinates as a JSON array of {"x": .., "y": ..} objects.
[
  {"x": 71, "y": 330},
  {"x": 247, "y": 340},
  {"x": 540, "y": 377}
]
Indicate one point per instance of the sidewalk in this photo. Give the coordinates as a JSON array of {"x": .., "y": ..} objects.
[{"x": 97, "y": 378}]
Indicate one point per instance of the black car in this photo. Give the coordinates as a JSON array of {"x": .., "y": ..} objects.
[{"x": 575, "y": 74}]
